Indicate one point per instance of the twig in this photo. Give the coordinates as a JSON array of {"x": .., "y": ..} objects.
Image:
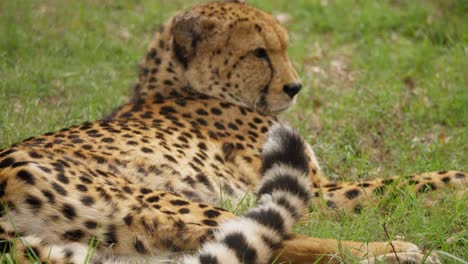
[{"x": 390, "y": 241}]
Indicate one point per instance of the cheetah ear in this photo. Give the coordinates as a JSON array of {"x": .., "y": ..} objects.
[{"x": 187, "y": 31}]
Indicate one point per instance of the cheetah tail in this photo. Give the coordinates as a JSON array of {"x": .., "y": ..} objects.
[{"x": 283, "y": 197}]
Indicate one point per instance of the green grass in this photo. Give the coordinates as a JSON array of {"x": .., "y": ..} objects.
[{"x": 385, "y": 90}]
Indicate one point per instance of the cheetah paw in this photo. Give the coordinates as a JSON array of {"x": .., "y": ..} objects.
[
  {"x": 404, "y": 257},
  {"x": 401, "y": 252}
]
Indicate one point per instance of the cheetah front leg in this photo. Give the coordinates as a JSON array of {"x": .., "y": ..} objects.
[
  {"x": 300, "y": 249},
  {"x": 353, "y": 196},
  {"x": 350, "y": 197}
]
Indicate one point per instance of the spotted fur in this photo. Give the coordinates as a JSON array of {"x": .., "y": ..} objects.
[{"x": 146, "y": 181}]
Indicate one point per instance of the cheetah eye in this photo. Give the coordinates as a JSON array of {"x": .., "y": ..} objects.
[{"x": 261, "y": 53}]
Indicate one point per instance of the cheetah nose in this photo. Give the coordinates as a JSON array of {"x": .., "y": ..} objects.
[{"x": 292, "y": 89}]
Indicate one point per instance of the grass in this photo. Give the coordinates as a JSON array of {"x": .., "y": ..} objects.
[{"x": 385, "y": 91}]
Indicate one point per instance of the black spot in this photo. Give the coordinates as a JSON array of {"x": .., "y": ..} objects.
[
  {"x": 77, "y": 141},
  {"x": 99, "y": 159},
  {"x": 211, "y": 213},
  {"x": 3, "y": 186},
  {"x": 6, "y": 162},
  {"x": 151, "y": 54},
  {"x": 44, "y": 169},
  {"x": 364, "y": 185},
  {"x": 205, "y": 181},
  {"x": 7, "y": 152},
  {"x": 81, "y": 188},
  {"x": 107, "y": 140},
  {"x": 127, "y": 189},
  {"x": 87, "y": 200},
  {"x": 351, "y": 194},
  {"x": 132, "y": 143},
  {"x": 269, "y": 218},
  {"x": 167, "y": 110},
  {"x": 357, "y": 209},
  {"x": 128, "y": 219},
  {"x": 228, "y": 151},
  {"x": 460, "y": 175},
  {"x": 152, "y": 199},
  {"x": 90, "y": 224},
  {"x": 170, "y": 158},
  {"x": 62, "y": 178},
  {"x": 207, "y": 259},
  {"x": 180, "y": 102},
  {"x": 332, "y": 189},
  {"x": 26, "y": 176},
  {"x": 258, "y": 28},
  {"x": 179, "y": 202},
  {"x": 33, "y": 202},
  {"x": 216, "y": 111},
  {"x": 68, "y": 253},
  {"x": 69, "y": 211},
  {"x": 20, "y": 164},
  {"x": 202, "y": 146},
  {"x": 184, "y": 211},
  {"x": 201, "y": 112},
  {"x": 145, "y": 190},
  {"x": 49, "y": 195},
  {"x": 331, "y": 204},
  {"x": 233, "y": 126},
  {"x": 442, "y": 172},
  {"x": 139, "y": 246},
  {"x": 86, "y": 179},
  {"x": 202, "y": 121},
  {"x": 257, "y": 120},
  {"x": 73, "y": 235},
  {"x": 387, "y": 181},
  {"x": 59, "y": 189},
  {"x": 239, "y": 122},
  {"x": 446, "y": 179},
  {"x": 79, "y": 154},
  {"x": 219, "y": 126},
  {"x": 210, "y": 222},
  {"x": 427, "y": 187},
  {"x": 238, "y": 243},
  {"x": 87, "y": 147},
  {"x": 146, "y": 150},
  {"x": 110, "y": 236}
]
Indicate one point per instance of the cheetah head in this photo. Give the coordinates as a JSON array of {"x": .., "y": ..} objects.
[{"x": 237, "y": 53}]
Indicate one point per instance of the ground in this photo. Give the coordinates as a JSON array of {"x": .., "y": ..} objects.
[{"x": 385, "y": 91}]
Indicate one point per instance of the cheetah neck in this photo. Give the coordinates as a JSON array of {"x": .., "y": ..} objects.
[{"x": 161, "y": 76}]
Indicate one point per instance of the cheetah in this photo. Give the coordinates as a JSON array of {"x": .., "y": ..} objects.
[{"x": 201, "y": 125}]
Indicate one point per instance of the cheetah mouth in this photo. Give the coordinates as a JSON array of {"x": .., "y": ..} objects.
[
  {"x": 263, "y": 105},
  {"x": 281, "y": 109}
]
